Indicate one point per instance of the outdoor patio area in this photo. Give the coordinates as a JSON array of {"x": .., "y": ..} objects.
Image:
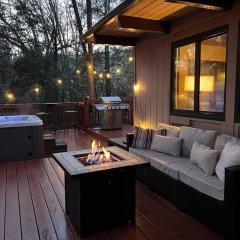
[
  {"x": 120, "y": 120},
  {"x": 32, "y": 204}
]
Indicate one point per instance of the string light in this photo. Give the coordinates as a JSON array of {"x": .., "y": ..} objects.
[
  {"x": 90, "y": 66},
  {"x": 108, "y": 75},
  {"x": 101, "y": 75},
  {"x": 118, "y": 71},
  {"x": 130, "y": 59},
  {"x": 78, "y": 71},
  {"x": 94, "y": 72},
  {"x": 59, "y": 81},
  {"x": 36, "y": 90},
  {"x": 10, "y": 96}
]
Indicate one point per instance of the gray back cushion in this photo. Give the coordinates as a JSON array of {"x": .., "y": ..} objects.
[
  {"x": 171, "y": 131},
  {"x": 191, "y": 135},
  {"x": 222, "y": 139}
]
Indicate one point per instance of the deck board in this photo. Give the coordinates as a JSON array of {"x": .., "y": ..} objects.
[
  {"x": 3, "y": 176},
  {"x": 27, "y": 214},
  {"x": 58, "y": 217},
  {"x": 57, "y": 185},
  {"x": 44, "y": 221},
  {"x": 12, "y": 215},
  {"x": 32, "y": 205},
  {"x": 58, "y": 171}
]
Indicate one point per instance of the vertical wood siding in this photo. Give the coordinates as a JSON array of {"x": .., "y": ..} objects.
[{"x": 153, "y": 69}]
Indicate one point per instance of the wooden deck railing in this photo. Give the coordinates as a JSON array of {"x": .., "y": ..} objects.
[{"x": 81, "y": 115}]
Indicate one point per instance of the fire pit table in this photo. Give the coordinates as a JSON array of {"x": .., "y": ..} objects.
[{"x": 99, "y": 194}]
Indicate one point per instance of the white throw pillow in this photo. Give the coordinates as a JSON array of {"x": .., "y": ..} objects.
[
  {"x": 171, "y": 131},
  {"x": 230, "y": 156},
  {"x": 168, "y": 145},
  {"x": 191, "y": 135},
  {"x": 205, "y": 157}
]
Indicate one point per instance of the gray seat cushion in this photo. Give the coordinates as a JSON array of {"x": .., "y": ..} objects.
[
  {"x": 180, "y": 168},
  {"x": 144, "y": 153},
  {"x": 171, "y": 165},
  {"x": 197, "y": 179}
]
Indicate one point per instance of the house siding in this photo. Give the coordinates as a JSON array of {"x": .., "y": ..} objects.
[{"x": 153, "y": 71}]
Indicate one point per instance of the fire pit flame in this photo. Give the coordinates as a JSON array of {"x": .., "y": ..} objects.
[
  {"x": 94, "y": 148},
  {"x": 107, "y": 155},
  {"x": 96, "y": 157}
]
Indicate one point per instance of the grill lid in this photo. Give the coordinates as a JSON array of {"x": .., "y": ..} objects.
[{"x": 111, "y": 100}]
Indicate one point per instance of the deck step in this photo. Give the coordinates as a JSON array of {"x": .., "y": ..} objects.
[
  {"x": 60, "y": 146},
  {"x": 52, "y": 145},
  {"x": 49, "y": 143}
]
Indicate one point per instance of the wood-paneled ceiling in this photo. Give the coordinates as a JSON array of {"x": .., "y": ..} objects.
[
  {"x": 134, "y": 18},
  {"x": 155, "y": 9}
]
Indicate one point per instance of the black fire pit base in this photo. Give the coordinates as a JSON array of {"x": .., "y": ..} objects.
[{"x": 100, "y": 201}]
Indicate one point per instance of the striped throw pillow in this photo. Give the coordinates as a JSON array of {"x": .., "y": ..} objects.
[{"x": 142, "y": 138}]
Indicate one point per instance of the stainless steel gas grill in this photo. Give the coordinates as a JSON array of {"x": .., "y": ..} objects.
[{"x": 110, "y": 112}]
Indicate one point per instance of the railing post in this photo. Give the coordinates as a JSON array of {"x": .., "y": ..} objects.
[{"x": 86, "y": 114}]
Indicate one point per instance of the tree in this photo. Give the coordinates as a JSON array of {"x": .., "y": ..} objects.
[
  {"x": 88, "y": 52},
  {"x": 39, "y": 44}
]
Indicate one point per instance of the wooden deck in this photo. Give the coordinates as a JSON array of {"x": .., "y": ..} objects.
[
  {"x": 32, "y": 205},
  {"x": 105, "y": 134}
]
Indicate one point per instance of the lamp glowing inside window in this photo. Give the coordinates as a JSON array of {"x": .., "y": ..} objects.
[{"x": 206, "y": 83}]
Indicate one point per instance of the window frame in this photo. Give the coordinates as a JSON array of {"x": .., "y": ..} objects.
[
  {"x": 197, "y": 39},
  {"x": 237, "y": 91}
]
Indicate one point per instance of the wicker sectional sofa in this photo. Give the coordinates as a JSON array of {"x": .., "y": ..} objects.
[{"x": 214, "y": 203}]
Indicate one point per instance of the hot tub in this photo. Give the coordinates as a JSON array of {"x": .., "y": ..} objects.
[{"x": 21, "y": 138}]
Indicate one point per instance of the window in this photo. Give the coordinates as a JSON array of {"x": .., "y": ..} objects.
[
  {"x": 199, "y": 73},
  {"x": 237, "y": 104},
  {"x": 184, "y": 77}
]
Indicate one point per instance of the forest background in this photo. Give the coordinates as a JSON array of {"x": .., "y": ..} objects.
[{"x": 43, "y": 60}]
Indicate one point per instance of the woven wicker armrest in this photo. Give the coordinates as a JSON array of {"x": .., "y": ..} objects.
[
  {"x": 232, "y": 202},
  {"x": 129, "y": 137}
]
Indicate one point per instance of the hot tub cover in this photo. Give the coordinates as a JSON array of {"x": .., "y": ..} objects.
[{"x": 20, "y": 121}]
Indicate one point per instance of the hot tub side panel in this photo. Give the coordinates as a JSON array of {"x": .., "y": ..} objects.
[{"x": 21, "y": 143}]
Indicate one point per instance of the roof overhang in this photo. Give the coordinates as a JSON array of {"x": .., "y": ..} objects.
[{"x": 135, "y": 18}]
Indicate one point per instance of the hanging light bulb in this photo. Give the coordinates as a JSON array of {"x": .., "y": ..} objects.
[
  {"x": 95, "y": 72},
  {"x": 108, "y": 75},
  {"x": 10, "y": 96},
  {"x": 36, "y": 90},
  {"x": 90, "y": 66},
  {"x": 59, "y": 81},
  {"x": 118, "y": 71},
  {"x": 101, "y": 75},
  {"x": 78, "y": 71}
]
